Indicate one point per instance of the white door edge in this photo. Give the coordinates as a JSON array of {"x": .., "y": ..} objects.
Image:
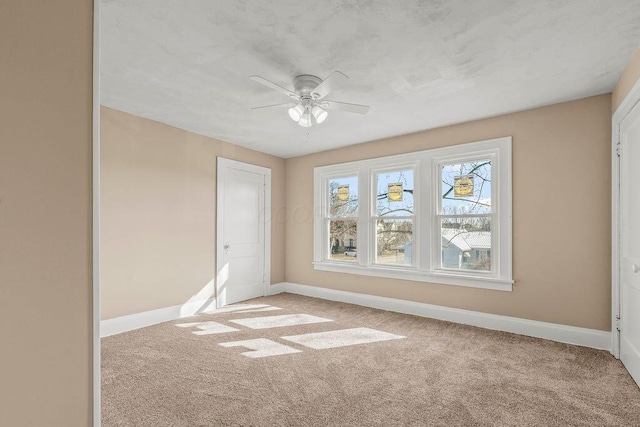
[
  {"x": 623, "y": 110},
  {"x": 223, "y": 163}
]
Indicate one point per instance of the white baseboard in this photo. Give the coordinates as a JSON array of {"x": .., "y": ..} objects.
[
  {"x": 551, "y": 331},
  {"x": 118, "y": 325}
]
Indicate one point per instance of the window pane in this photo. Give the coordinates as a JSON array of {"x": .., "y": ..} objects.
[
  {"x": 394, "y": 196},
  {"x": 466, "y": 188},
  {"x": 466, "y": 243},
  {"x": 343, "y": 197},
  {"x": 394, "y": 241},
  {"x": 343, "y": 240}
]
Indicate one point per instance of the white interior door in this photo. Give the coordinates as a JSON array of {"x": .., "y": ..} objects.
[
  {"x": 630, "y": 243},
  {"x": 242, "y": 250}
]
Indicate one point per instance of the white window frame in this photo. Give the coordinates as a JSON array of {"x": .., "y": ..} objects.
[
  {"x": 374, "y": 217},
  {"x": 426, "y": 234},
  {"x": 325, "y": 218}
]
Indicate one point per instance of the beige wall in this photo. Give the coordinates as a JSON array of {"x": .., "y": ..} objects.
[
  {"x": 629, "y": 77},
  {"x": 158, "y": 212},
  {"x": 45, "y": 213},
  {"x": 561, "y": 215}
]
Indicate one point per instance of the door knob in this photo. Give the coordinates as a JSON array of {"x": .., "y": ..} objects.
[
  {"x": 226, "y": 246},
  {"x": 635, "y": 268}
]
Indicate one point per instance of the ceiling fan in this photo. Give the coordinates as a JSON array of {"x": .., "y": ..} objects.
[{"x": 308, "y": 98}]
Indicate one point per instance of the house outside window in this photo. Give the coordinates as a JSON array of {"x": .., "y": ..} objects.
[{"x": 439, "y": 216}]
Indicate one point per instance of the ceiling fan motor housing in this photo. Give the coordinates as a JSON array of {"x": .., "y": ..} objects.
[{"x": 305, "y": 84}]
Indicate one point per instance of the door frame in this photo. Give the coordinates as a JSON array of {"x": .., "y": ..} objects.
[
  {"x": 630, "y": 101},
  {"x": 95, "y": 221},
  {"x": 223, "y": 163}
]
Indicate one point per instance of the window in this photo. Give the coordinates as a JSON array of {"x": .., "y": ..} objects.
[
  {"x": 393, "y": 217},
  {"x": 341, "y": 218},
  {"x": 440, "y": 216},
  {"x": 465, "y": 214}
]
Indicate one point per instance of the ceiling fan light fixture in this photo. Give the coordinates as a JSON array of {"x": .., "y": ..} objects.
[
  {"x": 296, "y": 112},
  {"x": 319, "y": 113},
  {"x": 310, "y": 106},
  {"x": 305, "y": 120}
]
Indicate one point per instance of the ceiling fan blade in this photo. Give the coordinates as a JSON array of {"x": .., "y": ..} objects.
[
  {"x": 274, "y": 86},
  {"x": 286, "y": 104},
  {"x": 327, "y": 84},
  {"x": 345, "y": 106}
]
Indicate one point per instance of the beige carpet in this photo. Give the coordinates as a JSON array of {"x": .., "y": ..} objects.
[{"x": 441, "y": 374}]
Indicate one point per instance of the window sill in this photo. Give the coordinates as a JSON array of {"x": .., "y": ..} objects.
[{"x": 419, "y": 276}]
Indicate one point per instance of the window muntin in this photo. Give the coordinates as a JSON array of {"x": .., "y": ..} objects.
[
  {"x": 479, "y": 218},
  {"x": 342, "y": 218}
]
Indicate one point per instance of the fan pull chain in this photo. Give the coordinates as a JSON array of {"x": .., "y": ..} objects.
[{"x": 307, "y": 141}]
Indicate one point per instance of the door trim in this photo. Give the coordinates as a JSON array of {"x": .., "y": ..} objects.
[
  {"x": 261, "y": 170},
  {"x": 630, "y": 101},
  {"x": 95, "y": 221}
]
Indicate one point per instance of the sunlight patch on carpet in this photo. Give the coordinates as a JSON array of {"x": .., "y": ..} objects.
[
  {"x": 187, "y": 325},
  {"x": 279, "y": 321},
  {"x": 341, "y": 338},
  {"x": 261, "y": 347},
  {"x": 256, "y": 310},
  {"x": 232, "y": 308},
  {"x": 210, "y": 328}
]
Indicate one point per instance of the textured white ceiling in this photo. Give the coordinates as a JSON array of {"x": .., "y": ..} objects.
[{"x": 418, "y": 64}]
